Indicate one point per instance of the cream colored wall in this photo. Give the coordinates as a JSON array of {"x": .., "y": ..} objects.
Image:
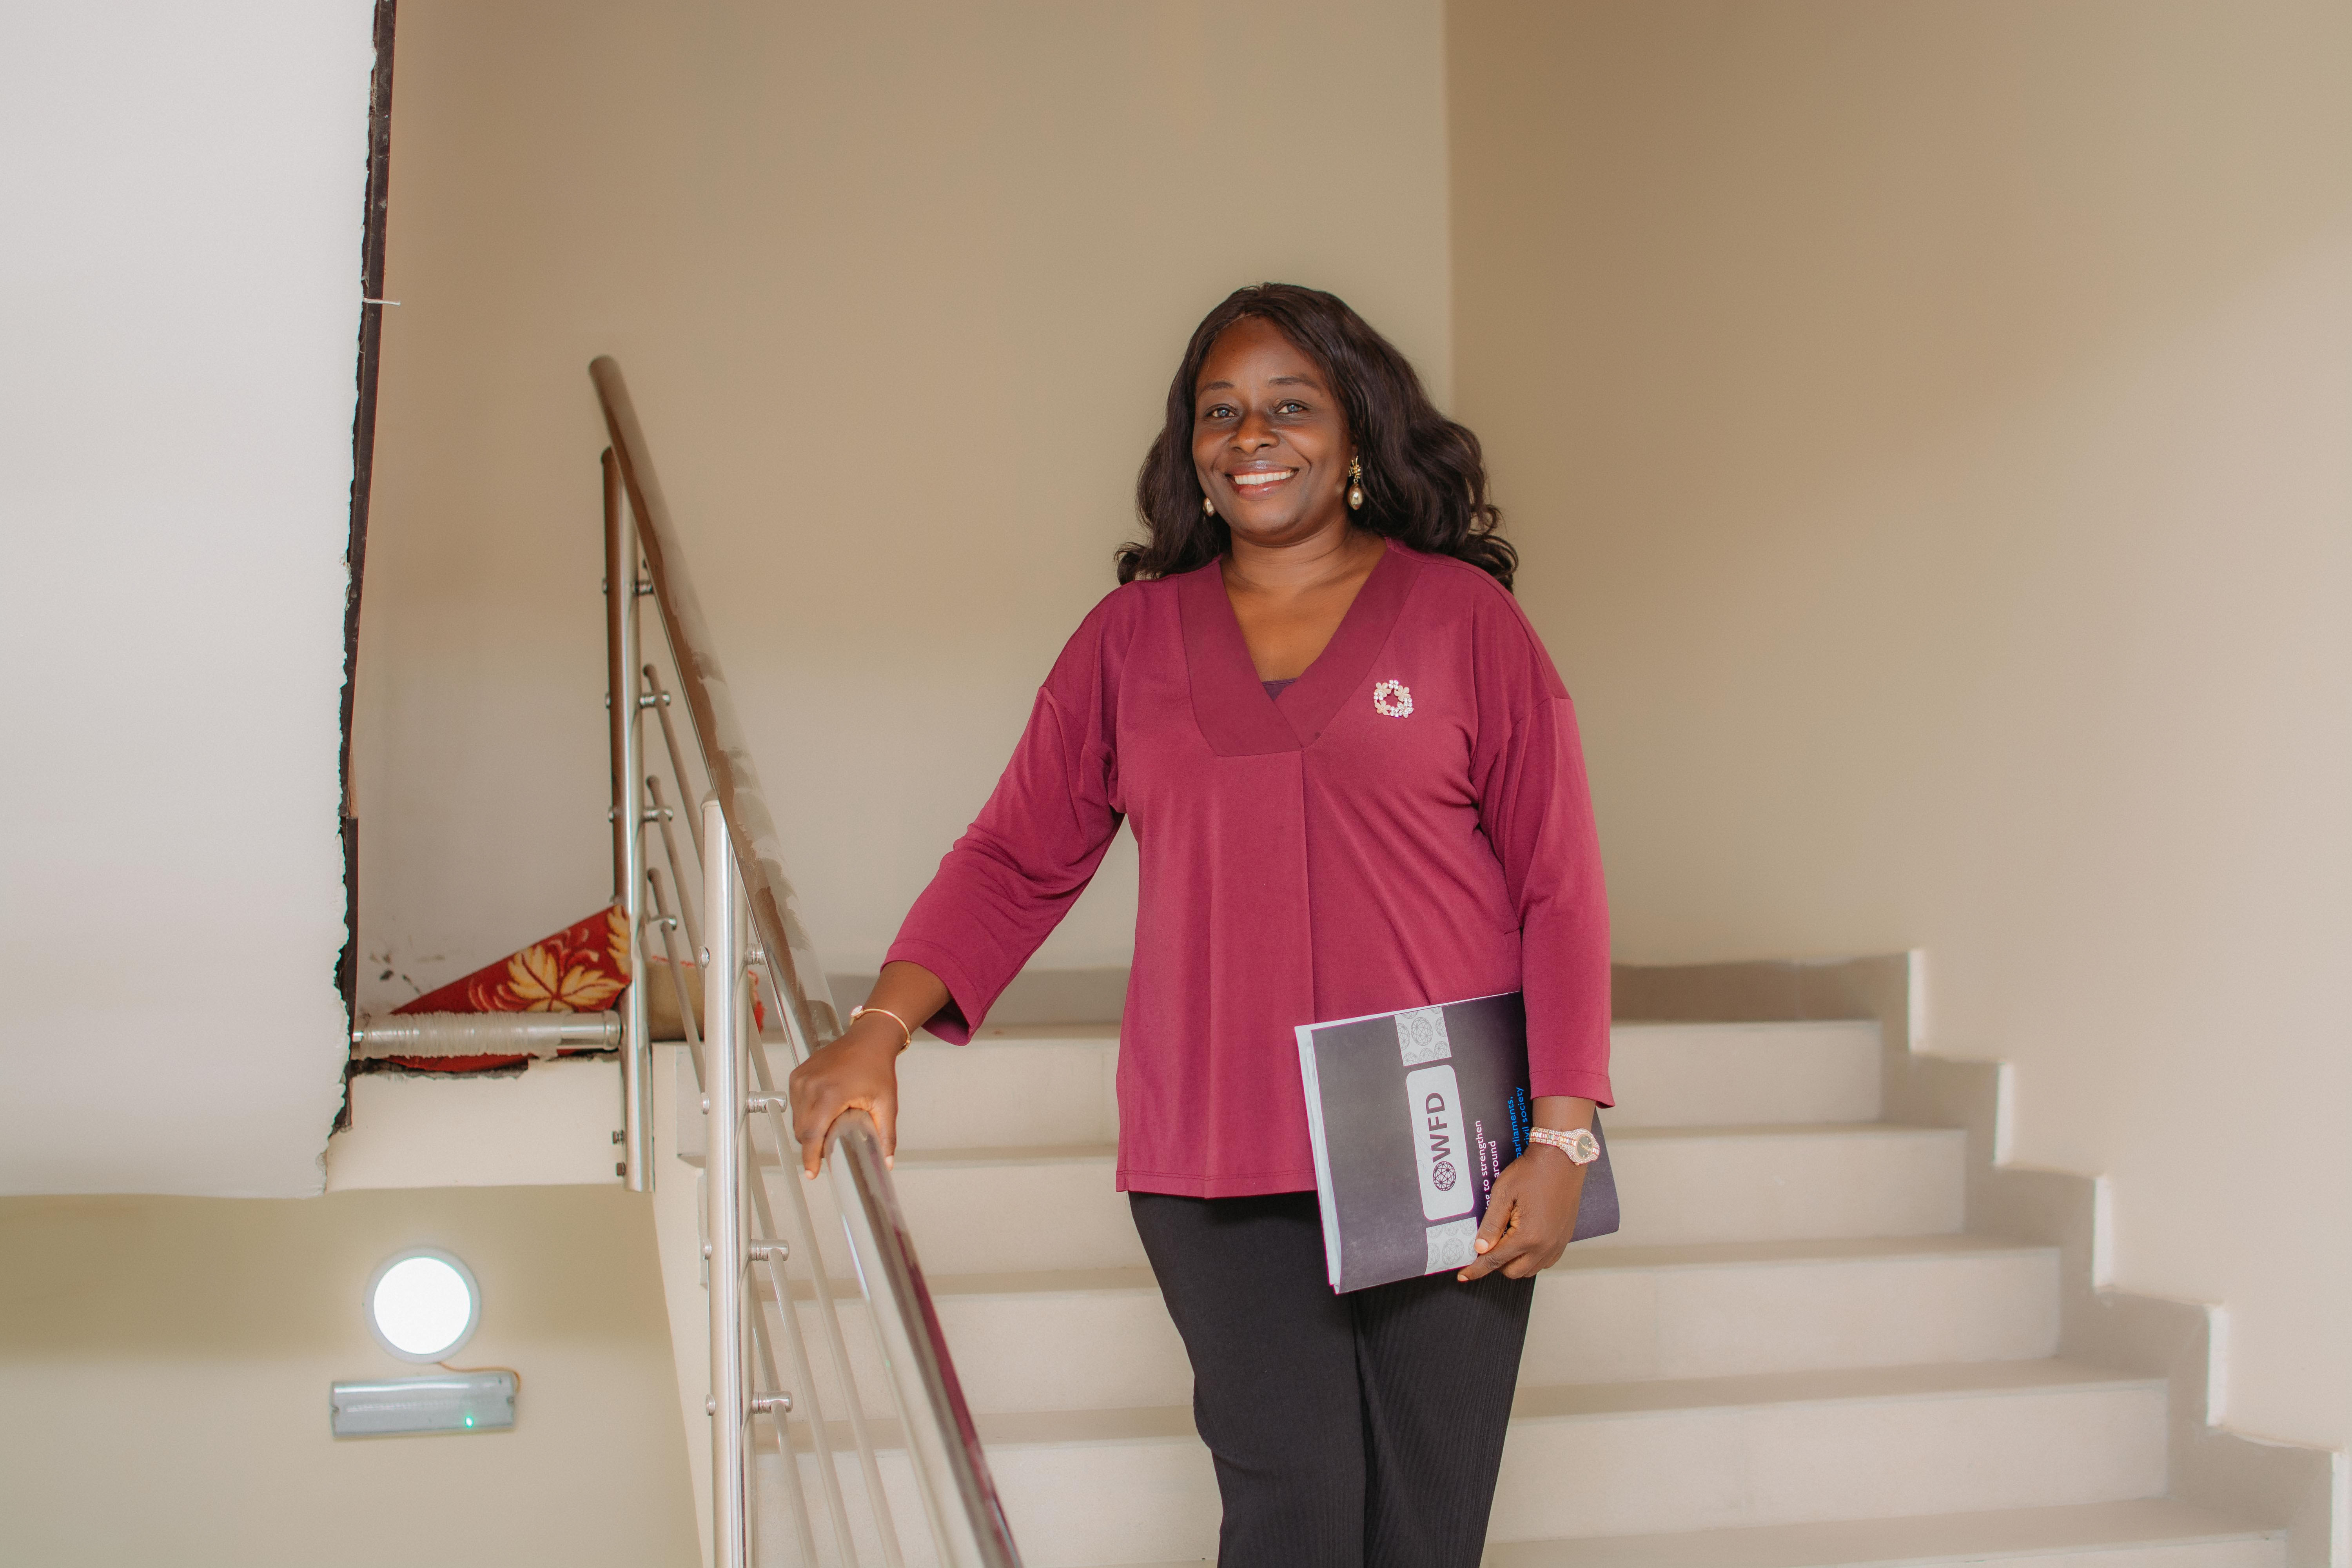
[
  {"x": 1927, "y": 429},
  {"x": 164, "y": 1364},
  {"x": 899, "y": 289}
]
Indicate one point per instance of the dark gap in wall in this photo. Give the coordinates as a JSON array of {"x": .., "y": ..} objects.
[{"x": 371, "y": 228}]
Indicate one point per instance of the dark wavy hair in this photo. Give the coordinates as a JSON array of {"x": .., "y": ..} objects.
[{"x": 1424, "y": 478}]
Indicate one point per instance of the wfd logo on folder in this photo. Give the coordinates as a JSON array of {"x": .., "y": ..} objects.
[{"x": 1433, "y": 1102}]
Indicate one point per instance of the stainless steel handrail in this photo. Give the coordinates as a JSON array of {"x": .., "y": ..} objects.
[
  {"x": 741, "y": 849},
  {"x": 712, "y": 710}
]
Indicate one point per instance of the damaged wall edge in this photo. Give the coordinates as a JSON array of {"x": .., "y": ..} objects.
[{"x": 372, "y": 259}]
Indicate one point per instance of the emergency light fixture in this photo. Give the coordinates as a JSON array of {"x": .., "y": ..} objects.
[{"x": 423, "y": 1305}]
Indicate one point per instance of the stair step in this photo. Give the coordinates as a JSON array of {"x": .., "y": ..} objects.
[
  {"x": 2146, "y": 1534},
  {"x": 1136, "y": 1486},
  {"x": 1100, "y": 1337},
  {"x": 1728, "y": 1075},
  {"x": 1787, "y": 1447},
  {"x": 988, "y": 1210},
  {"x": 2155, "y": 1533},
  {"x": 1627, "y": 1313},
  {"x": 1010, "y": 1086},
  {"x": 1021, "y": 1086}
]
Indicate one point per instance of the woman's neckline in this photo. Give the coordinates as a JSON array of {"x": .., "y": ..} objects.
[
  {"x": 1274, "y": 686},
  {"x": 1229, "y": 701}
]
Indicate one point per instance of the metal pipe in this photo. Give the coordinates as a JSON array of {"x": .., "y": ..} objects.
[
  {"x": 792, "y": 1464},
  {"x": 483, "y": 1033},
  {"x": 820, "y": 1440},
  {"x": 628, "y": 841},
  {"x": 676, "y": 757},
  {"x": 669, "y": 848},
  {"x": 723, "y": 1019},
  {"x": 828, "y": 1318},
  {"x": 668, "y": 927},
  {"x": 977, "y": 1530}
]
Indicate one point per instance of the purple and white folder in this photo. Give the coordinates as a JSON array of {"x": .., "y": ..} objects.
[{"x": 1413, "y": 1116}]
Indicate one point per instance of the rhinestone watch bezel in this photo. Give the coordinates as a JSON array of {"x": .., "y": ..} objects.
[{"x": 1580, "y": 1145}]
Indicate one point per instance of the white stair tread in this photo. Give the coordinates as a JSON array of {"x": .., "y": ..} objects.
[
  {"x": 1834, "y": 1249},
  {"x": 2010, "y": 1535},
  {"x": 1766, "y": 1130},
  {"x": 1075, "y": 1153},
  {"x": 1734, "y": 1028},
  {"x": 1096, "y": 1337},
  {"x": 1840, "y": 1384},
  {"x": 1017, "y": 1034},
  {"x": 1583, "y": 1400},
  {"x": 974, "y": 1209},
  {"x": 1035, "y": 1282},
  {"x": 2005, "y": 1534},
  {"x": 1045, "y": 1282},
  {"x": 1026, "y": 1085},
  {"x": 1641, "y": 1031},
  {"x": 1707, "y": 1255},
  {"x": 1007, "y": 1154}
]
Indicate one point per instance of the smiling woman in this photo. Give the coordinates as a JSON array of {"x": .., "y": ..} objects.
[
  {"x": 1355, "y": 785},
  {"x": 1423, "y": 481}
]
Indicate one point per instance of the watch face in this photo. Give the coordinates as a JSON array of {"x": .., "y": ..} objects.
[{"x": 1580, "y": 1145}]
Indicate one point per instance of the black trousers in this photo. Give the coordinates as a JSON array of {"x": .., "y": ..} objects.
[{"x": 1356, "y": 1431}]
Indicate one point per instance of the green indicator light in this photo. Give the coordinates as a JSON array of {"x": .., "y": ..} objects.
[{"x": 470, "y": 1419}]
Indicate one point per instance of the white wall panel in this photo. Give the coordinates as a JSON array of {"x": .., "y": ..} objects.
[{"x": 179, "y": 316}]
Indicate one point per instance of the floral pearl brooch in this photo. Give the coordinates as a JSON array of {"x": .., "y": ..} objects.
[{"x": 1391, "y": 699}]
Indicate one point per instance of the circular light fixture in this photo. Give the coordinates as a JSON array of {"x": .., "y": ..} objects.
[{"x": 422, "y": 1304}]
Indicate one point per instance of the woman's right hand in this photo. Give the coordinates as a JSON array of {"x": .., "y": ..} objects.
[{"x": 859, "y": 1070}]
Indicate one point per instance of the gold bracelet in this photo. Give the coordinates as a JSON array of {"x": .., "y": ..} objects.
[{"x": 857, "y": 1013}]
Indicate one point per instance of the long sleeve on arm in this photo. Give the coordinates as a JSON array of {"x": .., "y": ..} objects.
[
  {"x": 1527, "y": 766},
  {"x": 1013, "y": 876}
]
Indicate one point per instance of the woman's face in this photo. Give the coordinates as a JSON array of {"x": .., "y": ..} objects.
[{"x": 1270, "y": 443}]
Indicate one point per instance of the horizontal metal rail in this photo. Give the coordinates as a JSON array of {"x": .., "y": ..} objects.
[{"x": 483, "y": 1033}]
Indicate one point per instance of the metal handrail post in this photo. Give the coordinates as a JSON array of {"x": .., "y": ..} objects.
[
  {"x": 636, "y": 1166},
  {"x": 726, "y": 1052}
]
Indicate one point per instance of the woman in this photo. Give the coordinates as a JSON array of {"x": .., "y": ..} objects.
[{"x": 1355, "y": 783}]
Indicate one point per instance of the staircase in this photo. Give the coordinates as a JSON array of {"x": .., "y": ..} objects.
[{"x": 1793, "y": 1356}]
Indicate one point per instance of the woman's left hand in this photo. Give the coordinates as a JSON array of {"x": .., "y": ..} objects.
[{"x": 1530, "y": 1216}]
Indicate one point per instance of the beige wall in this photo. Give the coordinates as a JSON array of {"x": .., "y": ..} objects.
[
  {"x": 899, "y": 289},
  {"x": 164, "y": 1365},
  {"x": 1928, "y": 426}
]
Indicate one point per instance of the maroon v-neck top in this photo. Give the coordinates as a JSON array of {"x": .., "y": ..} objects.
[{"x": 1408, "y": 824}]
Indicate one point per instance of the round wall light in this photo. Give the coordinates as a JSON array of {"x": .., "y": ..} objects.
[{"x": 422, "y": 1304}]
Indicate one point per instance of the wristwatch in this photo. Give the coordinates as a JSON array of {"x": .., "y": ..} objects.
[{"x": 1580, "y": 1145}]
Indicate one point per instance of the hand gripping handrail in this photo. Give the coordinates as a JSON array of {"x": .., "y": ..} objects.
[{"x": 741, "y": 851}]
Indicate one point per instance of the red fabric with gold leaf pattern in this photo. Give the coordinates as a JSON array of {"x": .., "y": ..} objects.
[{"x": 580, "y": 969}]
